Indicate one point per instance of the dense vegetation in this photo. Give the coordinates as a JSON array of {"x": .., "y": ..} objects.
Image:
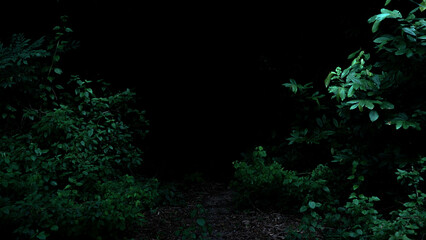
[
  {"x": 353, "y": 165},
  {"x": 68, "y": 155}
]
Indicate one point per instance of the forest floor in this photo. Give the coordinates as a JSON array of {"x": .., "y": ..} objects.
[{"x": 213, "y": 203}]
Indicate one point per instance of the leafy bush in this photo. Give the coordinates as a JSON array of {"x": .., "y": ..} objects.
[
  {"x": 199, "y": 229},
  {"x": 369, "y": 142},
  {"x": 264, "y": 185},
  {"x": 67, "y": 150}
]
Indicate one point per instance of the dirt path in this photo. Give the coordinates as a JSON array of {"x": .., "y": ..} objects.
[{"x": 224, "y": 221}]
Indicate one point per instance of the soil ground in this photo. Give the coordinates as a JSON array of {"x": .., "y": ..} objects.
[{"x": 224, "y": 221}]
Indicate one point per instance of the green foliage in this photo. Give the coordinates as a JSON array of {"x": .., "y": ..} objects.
[
  {"x": 264, "y": 185},
  {"x": 199, "y": 229},
  {"x": 370, "y": 130},
  {"x": 67, "y": 165}
]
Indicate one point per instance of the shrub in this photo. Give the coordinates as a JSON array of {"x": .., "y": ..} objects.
[
  {"x": 67, "y": 152},
  {"x": 371, "y": 131}
]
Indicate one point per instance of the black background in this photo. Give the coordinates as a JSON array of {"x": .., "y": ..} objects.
[{"x": 208, "y": 74}]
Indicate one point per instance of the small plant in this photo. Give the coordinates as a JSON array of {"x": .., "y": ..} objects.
[{"x": 199, "y": 229}]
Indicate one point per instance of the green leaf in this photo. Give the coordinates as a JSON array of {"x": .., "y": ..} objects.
[
  {"x": 319, "y": 122},
  {"x": 422, "y": 6},
  {"x": 56, "y": 58},
  {"x": 351, "y": 91},
  {"x": 374, "y": 198},
  {"x": 383, "y": 39},
  {"x": 352, "y": 55},
  {"x": 312, "y": 204},
  {"x": 5, "y": 210},
  {"x": 398, "y": 125},
  {"x": 303, "y": 209},
  {"x": 369, "y": 105},
  {"x": 42, "y": 235},
  {"x": 387, "y": 2},
  {"x": 373, "y": 115},
  {"x": 375, "y": 26},
  {"x": 342, "y": 93},
  {"x": 328, "y": 79},
  {"x": 58, "y": 71},
  {"x": 201, "y": 222},
  {"x": 409, "y": 31},
  {"x": 387, "y": 105},
  {"x": 54, "y": 228}
]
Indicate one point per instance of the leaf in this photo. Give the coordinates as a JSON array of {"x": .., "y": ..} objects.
[
  {"x": 58, "y": 71},
  {"x": 383, "y": 39},
  {"x": 56, "y": 58},
  {"x": 387, "y": 2},
  {"x": 342, "y": 93},
  {"x": 373, "y": 115},
  {"x": 352, "y": 55},
  {"x": 409, "y": 31},
  {"x": 387, "y": 105},
  {"x": 328, "y": 79},
  {"x": 303, "y": 209},
  {"x": 422, "y": 6},
  {"x": 42, "y": 235},
  {"x": 351, "y": 91},
  {"x": 5, "y": 210},
  {"x": 319, "y": 122},
  {"x": 312, "y": 204},
  {"x": 375, "y": 26},
  {"x": 54, "y": 228},
  {"x": 345, "y": 72},
  {"x": 369, "y": 105},
  {"x": 201, "y": 222}
]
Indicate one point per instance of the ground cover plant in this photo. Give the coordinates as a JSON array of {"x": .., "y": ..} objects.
[
  {"x": 354, "y": 163},
  {"x": 68, "y": 159}
]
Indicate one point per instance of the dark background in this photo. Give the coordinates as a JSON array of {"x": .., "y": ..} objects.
[{"x": 208, "y": 74}]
